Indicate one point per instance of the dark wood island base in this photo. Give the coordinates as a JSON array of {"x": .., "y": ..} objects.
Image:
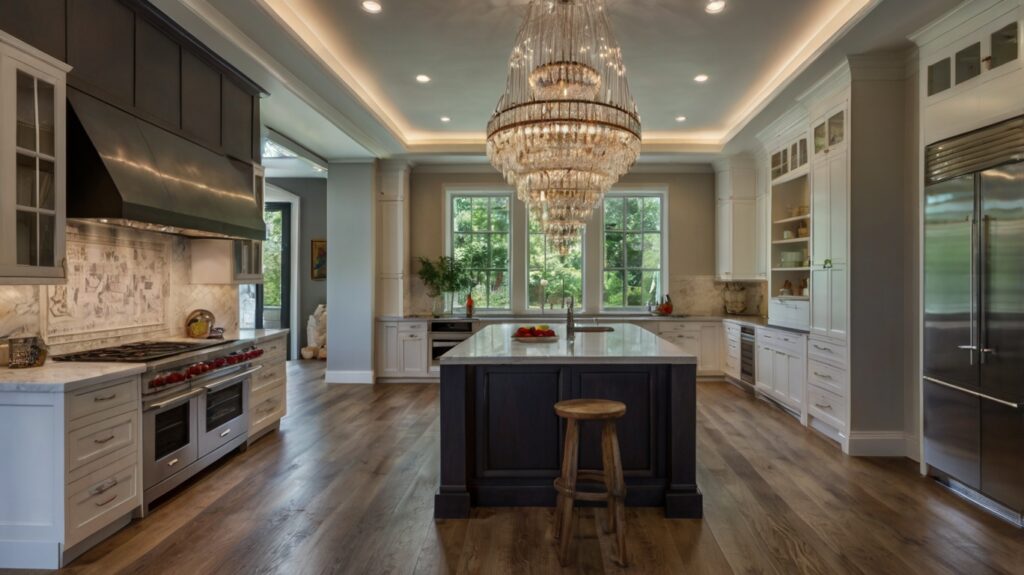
[{"x": 501, "y": 442}]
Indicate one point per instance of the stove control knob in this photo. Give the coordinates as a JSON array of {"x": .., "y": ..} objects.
[
  {"x": 220, "y": 362},
  {"x": 157, "y": 381},
  {"x": 175, "y": 378}
]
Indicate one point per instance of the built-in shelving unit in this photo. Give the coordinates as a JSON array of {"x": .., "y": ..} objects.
[{"x": 790, "y": 239}]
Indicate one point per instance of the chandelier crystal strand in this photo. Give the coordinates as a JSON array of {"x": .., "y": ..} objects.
[{"x": 567, "y": 127}]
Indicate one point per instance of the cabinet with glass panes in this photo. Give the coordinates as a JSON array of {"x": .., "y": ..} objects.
[
  {"x": 790, "y": 158},
  {"x": 993, "y": 49},
  {"x": 32, "y": 164}
]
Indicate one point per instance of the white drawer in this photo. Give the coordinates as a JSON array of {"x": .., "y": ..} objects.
[
  {"x": 92, "y": 442},
  {"x": 826, "y": 406},
  {"x": 826, "y": 351},
  {"x": 407, "y": 326},
  {"x": 789, "y": 342},
  {"x": 827, "y": 377},
  {"x": 274, "y": 348},
  {"x": 732, "y": 330},
  {"x": 101, "y": 397},
  {"x": 101, "y": 497},
  {"x": 271, "y": 374},
  {"x": 267, "y": 406}
]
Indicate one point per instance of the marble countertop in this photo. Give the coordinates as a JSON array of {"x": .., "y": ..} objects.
[
  {"x": 627, "y": 345},
  {"x": 583, "y": 318},
  {"x": 61, "y": 377}
]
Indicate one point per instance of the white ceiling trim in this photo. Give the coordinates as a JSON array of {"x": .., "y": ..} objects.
[{"x": 356, "y": 83}]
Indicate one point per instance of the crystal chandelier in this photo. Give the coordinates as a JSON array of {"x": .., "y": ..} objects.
[{"x": 566, "y": 128}]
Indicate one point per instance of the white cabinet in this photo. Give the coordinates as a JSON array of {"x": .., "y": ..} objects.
[
  {"x": 830, "y": 185},
  {"x": 72, "y": 472},
  {"x": 829, "y": 133},
  {"x": 782, "y": 367},
  {"x": 732, "y": 350},
  {"x": 268, "y": 392},
  {"x": 402, "y": 350},
  {"x": 701, "y": 339},
  {"x": 32, "y": 164},
  {"x": 737, "y": 242}
]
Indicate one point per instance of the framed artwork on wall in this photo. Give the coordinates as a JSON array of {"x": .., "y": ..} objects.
[{"x": 318, "y": 260}]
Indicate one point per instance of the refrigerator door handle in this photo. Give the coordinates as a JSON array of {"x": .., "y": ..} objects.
[
  {"x": 974, "y": 393},
  {"x": 983, "y": 287},
  {"x": 974, "y": 296}
]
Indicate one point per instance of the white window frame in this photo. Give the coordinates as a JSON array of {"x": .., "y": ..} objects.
[
  {"x": 592, "y": 246},
  {"x": 515, "y": 215},
  {"x": 597, "y": 279}
]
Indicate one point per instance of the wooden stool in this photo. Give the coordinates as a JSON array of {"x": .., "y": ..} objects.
[{"x": 574, "y": 411}]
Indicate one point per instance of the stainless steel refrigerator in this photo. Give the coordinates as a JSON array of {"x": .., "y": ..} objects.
[{"x": 974, "y": 315}]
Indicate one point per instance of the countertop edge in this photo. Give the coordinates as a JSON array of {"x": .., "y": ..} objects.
[{"x": 65, "y": 385}]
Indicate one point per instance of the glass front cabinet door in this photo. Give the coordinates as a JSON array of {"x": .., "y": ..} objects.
[{"x": 32, "y": 164}]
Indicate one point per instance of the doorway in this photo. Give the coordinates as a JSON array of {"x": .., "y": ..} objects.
[{"x": 274, "y": 295}]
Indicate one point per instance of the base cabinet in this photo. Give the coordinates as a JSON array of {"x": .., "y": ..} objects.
[
  {"x": 782, "y": 367},
  {"x": 268, "y": 392},
  {"x": 403, "y": 350},
  {"x": 703, "y": 340}
]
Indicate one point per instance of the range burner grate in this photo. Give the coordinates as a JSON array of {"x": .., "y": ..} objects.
[{"x": 139, "y": 352}]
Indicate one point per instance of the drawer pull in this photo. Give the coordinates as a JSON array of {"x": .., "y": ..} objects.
[
  {"x": 103, "y": 503},
  {"x": 105, "y": 397},
  {"x": 104, "y": 440},
  {"x": 105, "y": 487},
  {"x": 172, "y": 462},
  {"x": 225, "y": 433},
  {"x": 267, "y": 409},
  {"x": 827, "y": 406},
  {"x": 823, "y": 348},
  {"x": 823, "y": 375}
]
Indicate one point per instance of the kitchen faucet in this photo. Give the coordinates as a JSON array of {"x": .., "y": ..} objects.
[{"x": 570, "y": 319}]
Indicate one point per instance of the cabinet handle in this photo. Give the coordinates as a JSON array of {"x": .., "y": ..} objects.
[
  {"x": 104, "y": 440},
  {"x": 102, "y": 503},
  {"x": 823, "y": 348},
  {"x": 823, "y": 375},
  {"x": 105, "y": 487},
  {"x": 827, "y": 406},
  {"x": 105, "y": 397},
  {"x": 172, "y": 462},
  {"x": 225, "y": 432}
]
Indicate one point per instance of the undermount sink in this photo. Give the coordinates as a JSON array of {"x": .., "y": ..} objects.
[{"x": 592, "y": 328}]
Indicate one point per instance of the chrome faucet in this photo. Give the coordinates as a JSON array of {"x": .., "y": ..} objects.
[{"x": 570, "y": 319}]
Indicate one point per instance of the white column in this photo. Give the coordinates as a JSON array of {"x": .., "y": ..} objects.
[
  {"x": 351, "y": 270},
  {"x": 393, "y": 264}
]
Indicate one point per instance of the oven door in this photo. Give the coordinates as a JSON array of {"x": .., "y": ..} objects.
[
  {"x": 170, "y": 443},
  {"x": 224, "y": 411}
]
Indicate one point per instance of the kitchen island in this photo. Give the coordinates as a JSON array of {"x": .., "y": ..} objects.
[{"x": 501, "y": 442}]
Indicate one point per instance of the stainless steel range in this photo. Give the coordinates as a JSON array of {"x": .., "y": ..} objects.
[{"x": 195, "y": 404}]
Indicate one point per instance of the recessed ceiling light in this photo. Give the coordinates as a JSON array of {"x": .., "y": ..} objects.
[
  {"x": 701, "y": 78},
  {"x": 715, "y": 6},
  {"x": 423, "y": 79},
  {"x": 680, "y": 119},
  {"x": 372, "y": 6},
  {"x": 445, "y": 119}
]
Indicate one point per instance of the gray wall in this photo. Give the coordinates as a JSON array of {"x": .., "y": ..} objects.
[
  {"x": 312, "y": 194},
  {"x": 351, "y": 269}
]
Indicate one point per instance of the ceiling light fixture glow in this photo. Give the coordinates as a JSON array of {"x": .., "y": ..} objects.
[
  {"x": 423, "y": 79},
  {"x": 700, "y": 78},
  {"x": 372, "y": 6},
  {"x": 680, "y": 119},
  {"x": 445, "y": 119},
  {"x": 715, "y": 6}
]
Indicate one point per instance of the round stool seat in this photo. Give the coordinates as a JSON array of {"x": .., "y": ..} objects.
[{"x": 588, "y": 409}]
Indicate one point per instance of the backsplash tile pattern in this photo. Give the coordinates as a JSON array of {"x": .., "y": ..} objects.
[
  {"x": 703, "y": 295},
  {"x": 26, "y": 310}
]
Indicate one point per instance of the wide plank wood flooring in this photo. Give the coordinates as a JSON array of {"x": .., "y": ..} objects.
[{"x": 347, "y": 486}]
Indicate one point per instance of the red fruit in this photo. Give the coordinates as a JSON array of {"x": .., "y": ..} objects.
[
  {"x": 522, "y": 332},
  {"x": 549, "y": 333},
  {"x": 533, "y": 331}
]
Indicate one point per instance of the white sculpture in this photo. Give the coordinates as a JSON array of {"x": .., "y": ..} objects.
[{"x": 316, "y": 334}]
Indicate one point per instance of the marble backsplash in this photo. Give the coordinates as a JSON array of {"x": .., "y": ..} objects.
[{"x": 123, "y": 285}]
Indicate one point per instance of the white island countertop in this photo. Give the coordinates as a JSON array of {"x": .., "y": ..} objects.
[
  {"x": 61, "y": 377},
  {"x": 627, "y": 345}
]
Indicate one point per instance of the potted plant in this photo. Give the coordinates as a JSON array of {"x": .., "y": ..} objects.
[{"x": 444, "y": 278}]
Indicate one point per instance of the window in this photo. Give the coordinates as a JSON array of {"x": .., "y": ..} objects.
[
  {"x": 480, "y": 239},
  {"x": 551, "y": 276},
  {"x": 632, "y": 250}
]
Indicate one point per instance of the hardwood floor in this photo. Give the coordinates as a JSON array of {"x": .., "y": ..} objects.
[{"x": 347, "y": 486}]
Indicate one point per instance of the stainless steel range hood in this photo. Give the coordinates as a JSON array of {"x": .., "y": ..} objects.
[{"x": 127, "y": 171}]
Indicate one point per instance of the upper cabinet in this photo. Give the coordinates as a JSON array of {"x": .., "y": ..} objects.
[
  {"x": 32, "y": 164},
  {"x": 790, "y": 159},
  {"x": 738, "y": 243},
  {"x": 830, "y": 133},
  {"x": 129, "y": 54},
  {"x": 971, "y": 69}
]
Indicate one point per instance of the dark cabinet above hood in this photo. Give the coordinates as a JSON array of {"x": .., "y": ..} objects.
[{"x": 124, "y": 170}]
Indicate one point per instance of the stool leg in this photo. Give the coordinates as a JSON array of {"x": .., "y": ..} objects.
[
  {"x": 563, "y": 515},
  {"x": 608, "y": 464},
  {"x": 617, "y": 500}
]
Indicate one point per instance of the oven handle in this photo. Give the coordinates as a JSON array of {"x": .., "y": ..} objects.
[
  {"x": 173, "y": 400},
  {"x": 223, "y": 382}
]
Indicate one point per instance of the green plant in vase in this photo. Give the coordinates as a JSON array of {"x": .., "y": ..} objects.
[{"x": 444, "y": 278}]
